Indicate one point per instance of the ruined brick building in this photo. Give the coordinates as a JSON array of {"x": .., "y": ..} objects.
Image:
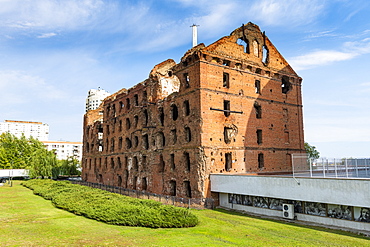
[{"x": 234, "y": 106}]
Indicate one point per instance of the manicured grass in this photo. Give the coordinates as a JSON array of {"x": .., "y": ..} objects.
[{"x": 30, "y": 220}]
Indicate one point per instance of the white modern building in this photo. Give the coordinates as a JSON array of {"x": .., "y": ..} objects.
[
  {"x": 37, "y": 130},
  {"x": 95, "y": 97},
  {"x": 64, "y": 150}
]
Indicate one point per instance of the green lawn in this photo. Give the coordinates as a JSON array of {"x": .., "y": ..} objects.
[{"x": 29, "y": 220}]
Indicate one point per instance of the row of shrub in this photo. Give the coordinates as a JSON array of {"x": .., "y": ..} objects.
[{"x": 110, "y": 207}]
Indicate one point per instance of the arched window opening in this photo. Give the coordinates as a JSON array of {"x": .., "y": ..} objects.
[{"x": 174, "y": 112}]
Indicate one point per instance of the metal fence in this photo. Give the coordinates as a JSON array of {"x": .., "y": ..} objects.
[
  {"x": 331, "y": 168},
  {"x": 197, "y": 203}
]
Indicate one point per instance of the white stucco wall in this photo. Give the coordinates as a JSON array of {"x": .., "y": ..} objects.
[{"x": 351, "y": 192}]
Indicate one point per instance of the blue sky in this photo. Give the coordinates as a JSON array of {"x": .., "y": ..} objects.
[{"x": 52, "y": 52}]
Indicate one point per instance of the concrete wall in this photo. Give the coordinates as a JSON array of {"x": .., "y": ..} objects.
[
  {"x": 351, "y": 192},
  {"x": 224, "y": 202}
]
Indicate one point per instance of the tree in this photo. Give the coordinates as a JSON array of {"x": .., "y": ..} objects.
[
  {"x": 311, "y": 151},
  {"x": 23, "y": 153}
]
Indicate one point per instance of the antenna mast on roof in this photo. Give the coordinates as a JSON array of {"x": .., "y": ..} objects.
[{"x": 195, "y": 34}]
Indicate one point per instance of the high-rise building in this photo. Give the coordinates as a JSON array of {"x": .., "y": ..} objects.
[
  {"x": 94, "y": 98},
  {"x": 65, "y": 150},
  {"x": 232, "y": 107},
  {"x": 37, "y": 130}
]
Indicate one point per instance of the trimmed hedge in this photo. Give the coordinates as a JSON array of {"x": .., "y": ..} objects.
[{"x": 110, "y": 207}]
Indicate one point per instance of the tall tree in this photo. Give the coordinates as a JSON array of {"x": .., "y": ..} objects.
[{"x": 311, "y": 151}]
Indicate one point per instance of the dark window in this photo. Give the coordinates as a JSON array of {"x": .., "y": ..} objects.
[
  {"x": 120, "y": 142},
  {"x": 187, "y": 134},
  {"x": 128, "y": 143},
  {"x": 146, "y": 141},
  {"x": 161, "y": 139},
  {"x": 112, "y": 163},
  {"x": 227, "y": 108},
  {"x": 228, "y": 162},
  {"x": 161, "y": 163},
  {"x": 226, "y": 63},
  {"x": 119, "y": 162},
  {"x": 134, "y": 183},
  {"x": 187, "y": 161},
  {"x": 146, "y": 118},
  {"x": 186, "y": 108},
  {"x": 261, "y": 162},
  {"x": 225, "y": 82},
  {"x": 187, "y": 80},
  {"x": 161, "y": 116},
  {"x": 143, "y": 161},
  {"x": 144, "y": 184},
  {"x": 174, "y": 112},
  {"x": 173, "y": 188},
  {"x": 187, "y": 189},
  {"x": 257, "y": 85},
  {"x": 128, "y": 123},
  {"x": 285, "y": 84},
  {"x": 258, "y": 71},
  {"x": 112, "y": 145},
  {"x": 173, "y": 166},
  {"x": 120, "y": 125},
  {"x": 259, "y": 136},
  {"x": 136, "y": 100},
  {"x": 135, "y": 164},
  {"x": 145, "y": 96},
  {"x": 126, "y": 178},
  {"x": 258, "y": 110},
  {"x": 136, "y": 141},
  {"x": 136, "y": 120},
  {"x": 174, "y": 136},
  {"x": 119, "y": 180},
  {"x": 128, "y": 103}
]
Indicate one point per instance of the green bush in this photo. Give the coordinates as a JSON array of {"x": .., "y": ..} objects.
[{"x": 110, "y": 207}]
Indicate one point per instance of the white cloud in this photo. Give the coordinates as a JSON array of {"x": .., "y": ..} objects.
[{"x": 46, "y": 35}]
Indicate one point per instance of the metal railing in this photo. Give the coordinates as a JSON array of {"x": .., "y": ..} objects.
[
  {"x": 302, "y": 166},
  {"x": 196, "y": 203}
]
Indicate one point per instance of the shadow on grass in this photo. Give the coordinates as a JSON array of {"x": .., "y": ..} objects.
[{"x": 299, "y": 224}]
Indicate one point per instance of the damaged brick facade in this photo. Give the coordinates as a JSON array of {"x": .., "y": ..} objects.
[{"x": 234, "y": 106}]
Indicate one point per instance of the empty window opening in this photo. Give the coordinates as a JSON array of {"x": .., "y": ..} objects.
[
  {"x": 174, "y": 112},
  {"x": 258, "y": 110},
  {"x": 145, "y": 96},
  {"x": 128, "y": 143},
  {"x": 146, "y": 117},
  {"x": 100, "y": 178},
  {"x": 186, "y": 108},
  {"x": 136, "y": 121},
  {"x": 173, "y": 188},
  {"x": 136, "y": 100},
  {"x": 161, "y": 140},
  {"x": 187, "y": 134},
  {"x": 128, "y": 104},
  {"x": 136, "y": 141},
  {"x": 144, "y": 161},
  {"x": 187, "y": 80},
  {"x": 128, "y": 123},
  {"x": 286, "y": 136},
  {"x": 161, "y": 163},
  {"x": 120, "y": 143},
  {"x": 146, "y": 141},
  {"x": 174, "y": 136},
  {"x": 126, "y": 178},
  {"x": 226, "y": 63},
  {"x": 187, "y": 189},
  {"x": 112, "y": 163},
  {"x": 112, "y": 145},
  {"x": 119, "y": 162},
  {"x": 261, "y": 162},
  {"x": 135, "y": 164},
  {"x": 285, "y": 84},
  {"x": 265, "y": 54},
  {"x": 257, "y": 86},
  {"x": 169, "y": 73},
  {"x": 259, "y": 136},
  {"x": 228, "y": 133},
  {"x": 134, "y": 183},
  {"x": 228, "y": 162},
  {"x": 187, "y": 161},
  {"x": 120, "y": 125},
  {"x": 245, "y": 43},
  {"x": 119, "y": 180},
  {"x": 225, "y": 82},
  {"x": 227, "y": 108},
  {"x": 258, "y": 71},
  {"x": 144, "y": 185},
  {"x": 161, "y": 116},
  {"x": 122, "y": 105},
  {"x": 172, "y": 160}
]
